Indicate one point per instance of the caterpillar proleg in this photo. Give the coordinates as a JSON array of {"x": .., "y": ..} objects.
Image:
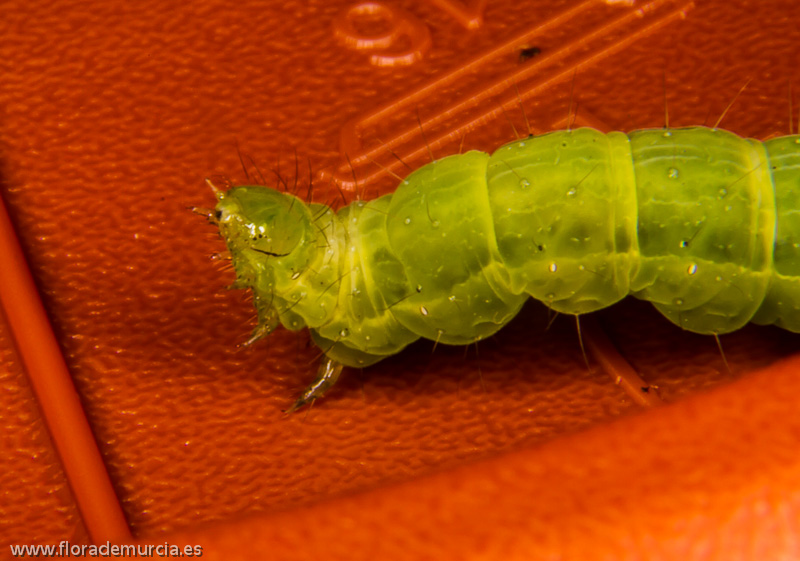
[{"x": 699, "y": 221}]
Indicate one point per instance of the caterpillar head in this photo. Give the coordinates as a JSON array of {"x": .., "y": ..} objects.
[
  {"x": 270, "y": 238},
  {"x": 263, "y": 220}
]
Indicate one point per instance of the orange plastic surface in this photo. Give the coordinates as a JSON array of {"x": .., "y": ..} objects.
[{"x": 151, "y": 423}]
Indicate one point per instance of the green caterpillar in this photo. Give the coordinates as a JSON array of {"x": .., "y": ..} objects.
[{"x": 701, "y": 222}]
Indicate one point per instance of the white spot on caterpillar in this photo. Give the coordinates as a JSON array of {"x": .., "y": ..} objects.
[
  {"x": 692, "y": 269},
  {"x": 553, "y": 267},
  {"x": 423, "y": 310}
]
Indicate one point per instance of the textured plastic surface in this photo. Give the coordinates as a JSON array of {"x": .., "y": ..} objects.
[
  {"x": 113, "y": 115},
  {"x": 616, "y": 492}
]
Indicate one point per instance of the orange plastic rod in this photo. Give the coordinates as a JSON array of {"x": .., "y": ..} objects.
[{"x": 56, "y": 394}]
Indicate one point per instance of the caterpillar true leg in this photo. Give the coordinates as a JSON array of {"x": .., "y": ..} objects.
[
  {"x": 328, "y": 373},
  {"x": 604, "y": 352}
]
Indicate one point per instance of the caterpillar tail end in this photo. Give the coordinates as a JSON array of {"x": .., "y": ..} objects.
[{"x": 327, "y": 375}]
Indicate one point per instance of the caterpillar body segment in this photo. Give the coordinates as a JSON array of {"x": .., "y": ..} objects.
[{"x": 701, "y": 222}]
